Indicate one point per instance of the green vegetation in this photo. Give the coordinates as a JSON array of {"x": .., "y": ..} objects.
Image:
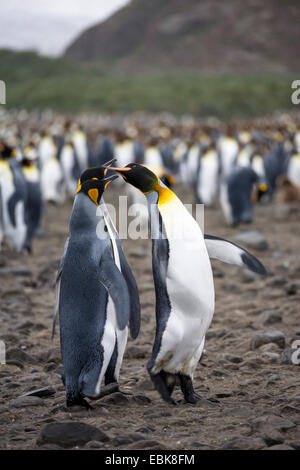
[{"x": 33, "y": 81}]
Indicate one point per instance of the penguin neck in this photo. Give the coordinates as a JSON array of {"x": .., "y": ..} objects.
[{"x": 84, "y": 217}]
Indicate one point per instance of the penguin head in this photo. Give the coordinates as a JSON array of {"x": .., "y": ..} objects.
[
  {"x": 94, "y": 188},
  {"x": 139, "y": 176},
  {"x": 96, "y": 172}
]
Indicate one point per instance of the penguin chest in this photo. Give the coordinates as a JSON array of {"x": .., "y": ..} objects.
[{"x": 190, "y": 288}]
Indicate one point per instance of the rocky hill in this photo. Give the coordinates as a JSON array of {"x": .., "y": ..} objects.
[{"x": 207, "y": 35}]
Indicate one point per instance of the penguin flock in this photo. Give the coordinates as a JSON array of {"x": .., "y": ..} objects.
[{"x": 48, "y": 159}]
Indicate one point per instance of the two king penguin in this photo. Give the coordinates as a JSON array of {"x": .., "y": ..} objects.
[{"x": 96, "y": 295}]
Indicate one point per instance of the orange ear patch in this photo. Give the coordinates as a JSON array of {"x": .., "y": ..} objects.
[{"x": 94, "y": 195}]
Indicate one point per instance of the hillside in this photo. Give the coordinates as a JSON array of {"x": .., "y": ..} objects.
[
  {"x": 207, "y": 35},
  {"x": 34, "y": 81}
]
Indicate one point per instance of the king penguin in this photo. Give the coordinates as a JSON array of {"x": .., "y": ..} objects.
[
  {"x": 92, "y": 298},
  {"x": 183, "y": 282},
  {"x": 13, "y": 199},
  {"x": 113, "y": 370}
]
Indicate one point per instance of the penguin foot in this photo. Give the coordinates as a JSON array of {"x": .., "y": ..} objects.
[
  {"x": 79, "y": 401},
  {"x": 187, "y": 389},
  {"x": 192, "y": 398},
  {"x": 161, "y": 386}
]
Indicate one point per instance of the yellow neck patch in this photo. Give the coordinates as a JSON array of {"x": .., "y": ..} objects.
[
  {"x": 93, "y": 195},
  {"x": 165, "y": 196}
]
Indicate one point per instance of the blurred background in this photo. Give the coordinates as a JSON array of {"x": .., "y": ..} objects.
[{"x": 205, "y": 57}]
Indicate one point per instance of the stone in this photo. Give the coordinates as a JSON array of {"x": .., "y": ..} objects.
[
  {"x": 94, "y": 445},
  {"x": 233, "y": 358},
  {"x": 40, "y": 392},
  {"x": 269, "y": 317},
  {"x": 291, "y": 288},
  {"x": 135, "y": 352},
  {"x": 244, "y": 443},
  {"x": 22, "y": 402},
  {"x": 71, "y": 434},
  {"x": 252, "y": 239},
  {"x": 266, "y": 337},
  {"x": 274, "y": 421},
  {"x": 16, "y": 354}
]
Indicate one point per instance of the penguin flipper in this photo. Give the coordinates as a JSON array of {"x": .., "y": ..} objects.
[
  {"x": 113, "y": 280},
  {"x": 57, "y": 287},
  {"x": 135, "y": 309},
  {"x": 230, "y": 253}
]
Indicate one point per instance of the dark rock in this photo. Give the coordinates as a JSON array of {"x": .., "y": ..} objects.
[
  {"x": 270, "y": 435},
  {"x": 40, "y": 392},
  {"x": 115, "y": 399},
  {"x": 271, "y": 356},
  {"x": 19, "y": 271},
  {"x": 15, "y": 354},
  {"x": 291, "y": 288},
  {"x": 71, "y": 434},
  {"x": 22, "y": 402},
  {"x": 266, "y": 337},
  {"x": 135, "y": 352},
  {"x": 233, "y": 358},
  {"x": 273, "y": 421},
  {"x": 215, "y": 333},
  {"x": 277, "y": 281},
  {"x": 269, "y": 317},
  {"x": 244, "y": 443},
  {"x": 94, "y": 445},
  {"x": 237, "y": 412},
  {"x": 252, "y": 239},
  {"x": 129, "y": 438}
]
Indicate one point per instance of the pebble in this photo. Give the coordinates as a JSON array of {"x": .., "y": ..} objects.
[
  {"x": 40, "y": 392},
  {"x": 252, "y": 239},
  {"x": 265, "y": 337},
  {"x": 233, "y": 358},
  {"x": 70, "y": 434},
  {"x": 244, "y": 443},
  {"x": 16, "y": 354},
  {"x": 135, "y": 352},
  {"x": 94, "y": 445},
  {"x": 274, "y": 421},
  {"x": 269, "y": 317},
  {"x": 22, "y": 402}
]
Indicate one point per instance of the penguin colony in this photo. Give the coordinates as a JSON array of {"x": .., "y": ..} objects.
[{"x": 96, "y": 294}]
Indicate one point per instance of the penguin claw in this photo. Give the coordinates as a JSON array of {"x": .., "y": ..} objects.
[{"x": 79, "y": 402}]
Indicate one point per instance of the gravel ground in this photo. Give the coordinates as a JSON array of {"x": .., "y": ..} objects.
[{"x": 249, "y": 384}]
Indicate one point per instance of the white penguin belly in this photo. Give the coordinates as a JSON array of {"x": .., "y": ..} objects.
[
  {"x": 190, "y": 289},
  {"x": 208, "y": 178}
]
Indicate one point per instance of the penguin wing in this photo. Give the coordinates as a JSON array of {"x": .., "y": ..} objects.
[
  {"x": 57, "y": 286},
  {"x": 113, "y": 280},
  {"x": 135, "y": 309},
  {"x": 230, "y": 253}
]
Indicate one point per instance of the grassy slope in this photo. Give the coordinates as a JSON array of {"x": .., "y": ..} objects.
[{"x": 39, "y": 82}]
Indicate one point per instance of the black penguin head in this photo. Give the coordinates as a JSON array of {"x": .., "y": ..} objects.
[
  {"x": 94, "y": 188},
  {"x": 6, "y": 151},
  {"x": 96, "y": 172},
  {"x": 139, "y": 176}
]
